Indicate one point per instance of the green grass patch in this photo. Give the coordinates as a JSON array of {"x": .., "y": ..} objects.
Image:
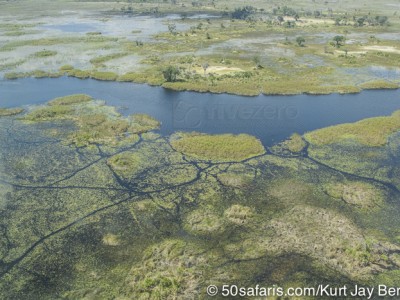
[
  {"x": 66, "y": 68},
  {"x": 143, "y": 123},
  {"x": 44, "y": 53},
  {"x": 294, "y": 144},
  {"x": 70, "y": 100},
  {"x": 379, "y": 84},
  {"x": 48, "y": 113},
  {"x": 102, "y": 59},
  {"x": 82, "y": 74},
  {"x": 5, "y": 112},
  {"x": 370, "y": 132},
  {"x": 224, "y": 147},
  {"x": 106, "y": 76}
]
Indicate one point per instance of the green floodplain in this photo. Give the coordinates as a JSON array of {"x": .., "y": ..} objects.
[
  {"x": 95, "y": 205},
  {"x": 262, "y": 47}
]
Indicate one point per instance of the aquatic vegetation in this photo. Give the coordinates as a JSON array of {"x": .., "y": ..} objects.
[
  {"x": 225, "y": 147},
  {"x": 370, "y": 132},
  {"x": 70, "y": 100},
  {"x": 109, "y": 76},
  {"x": 294, "y": 145},
  {"x": 125, "y": 163},
  {"x": 5, "y": 112},
  {"x": 204, "y": 222},
  {"x": 144, "y": 216},
  {"x": 234, "y": 180},
  {"x": 102, "y": 59},
  {"x": 44, "y": 53},
  {"x": 143, "y": 123},
  {"x": 379, "y": 84},
  {"x": 238, "y": 214},
  {"x": 82, "y": 74},
  {"x": 359, "y": 194},
  {"x": 49, "y": 113},
  {"x": 169, "y": 270},
  {"x": 97, "y": 124}
]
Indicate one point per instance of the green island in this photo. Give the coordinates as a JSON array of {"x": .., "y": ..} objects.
[{"x": 117, "y": 210}]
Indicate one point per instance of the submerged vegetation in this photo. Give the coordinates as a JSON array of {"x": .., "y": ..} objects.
[
  {"x": 4, "y": 112},
  {"x": 96, "y": 123},
  {"x": 144, "y": 216}
]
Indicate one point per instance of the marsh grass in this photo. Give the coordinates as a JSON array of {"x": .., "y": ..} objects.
[
  {"x": 358, "y": 193},
  {"x": 96, "y": 123},
  {"x": 143, "y": 123},
  {"x": 379, "y": 84},
  {"x": 56, "y": 41},
  {"x": 102, "y": 59},
  {"x": 35, "y": 74},
  {"x": 294, "y": 144},
  {"x": 104, "y": 76},
  {"x": 370, "y": 132},
  {"x": 224, "y": 147},
  {"x": 70, "y": 100},
  {"x": 5, "y": 112},
  {"x": 44, "y": 53},
  {"x": 49, "y": 113}
]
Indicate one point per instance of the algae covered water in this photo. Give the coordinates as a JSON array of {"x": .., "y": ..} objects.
[{"x": 148, "y": 204}]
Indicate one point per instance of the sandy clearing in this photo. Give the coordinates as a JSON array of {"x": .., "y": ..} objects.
[
  {"x": 382, "y": 48},
  {"x": 219, "y": 70}
]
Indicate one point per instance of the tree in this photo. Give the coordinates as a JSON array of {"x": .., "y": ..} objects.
[
  {"x": 171, "y": 73},
  {"x": 172, "y": 28},
  {"x": 339, "y": 39},
  {"x": 360, "y": 21},
  {"x": 381, "y": 20},
  {"x": 300, "y": 41},
  {"x": 243, "y": 13},
  {"x": 205, "y": 67},
  {"x": 257, "y": 61}
]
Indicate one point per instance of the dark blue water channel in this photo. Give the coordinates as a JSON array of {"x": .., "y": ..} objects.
[{"x": 270, "y": 118}]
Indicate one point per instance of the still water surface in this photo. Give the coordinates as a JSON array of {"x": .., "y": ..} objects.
[{"x": 270, "y": 118}]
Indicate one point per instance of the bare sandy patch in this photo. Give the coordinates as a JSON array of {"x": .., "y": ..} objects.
[
  {"x": 219, "y": 70},
  {"x": 382, "y": 48}
]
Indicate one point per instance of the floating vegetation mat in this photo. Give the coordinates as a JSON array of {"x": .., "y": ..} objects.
[{"x": 95, "y": 205}]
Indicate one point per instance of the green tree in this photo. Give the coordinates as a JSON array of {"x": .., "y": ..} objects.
[
  {"x": 257, "y": 61},
  {"x": 172, "y": 28},
  {"x": 300, "y": 41},
  {"x": 171, "y": 73},
  {"x": 339, "y": 40}
]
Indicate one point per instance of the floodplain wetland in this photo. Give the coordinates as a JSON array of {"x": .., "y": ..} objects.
[{"x": 115, "y": 189}]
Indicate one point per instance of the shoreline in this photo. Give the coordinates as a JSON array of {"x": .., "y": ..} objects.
[{"x": 341, "y": 90}]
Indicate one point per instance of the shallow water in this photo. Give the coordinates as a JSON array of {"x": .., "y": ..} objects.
[{"x": 270, "y": 118}]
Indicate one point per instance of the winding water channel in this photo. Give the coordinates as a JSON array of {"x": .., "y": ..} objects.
[{"x": 269, "y": 118}]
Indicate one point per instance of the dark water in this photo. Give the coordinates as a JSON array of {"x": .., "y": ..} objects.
[{"x": 270, "y": 118}]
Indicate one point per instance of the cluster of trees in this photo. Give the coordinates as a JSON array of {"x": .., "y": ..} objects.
[
  {"x": 171, "y": 73},
  {"x": 364, "y": 20},
  {"x": 286, "y": 11},
  {"x": 243, "y": 13}
]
